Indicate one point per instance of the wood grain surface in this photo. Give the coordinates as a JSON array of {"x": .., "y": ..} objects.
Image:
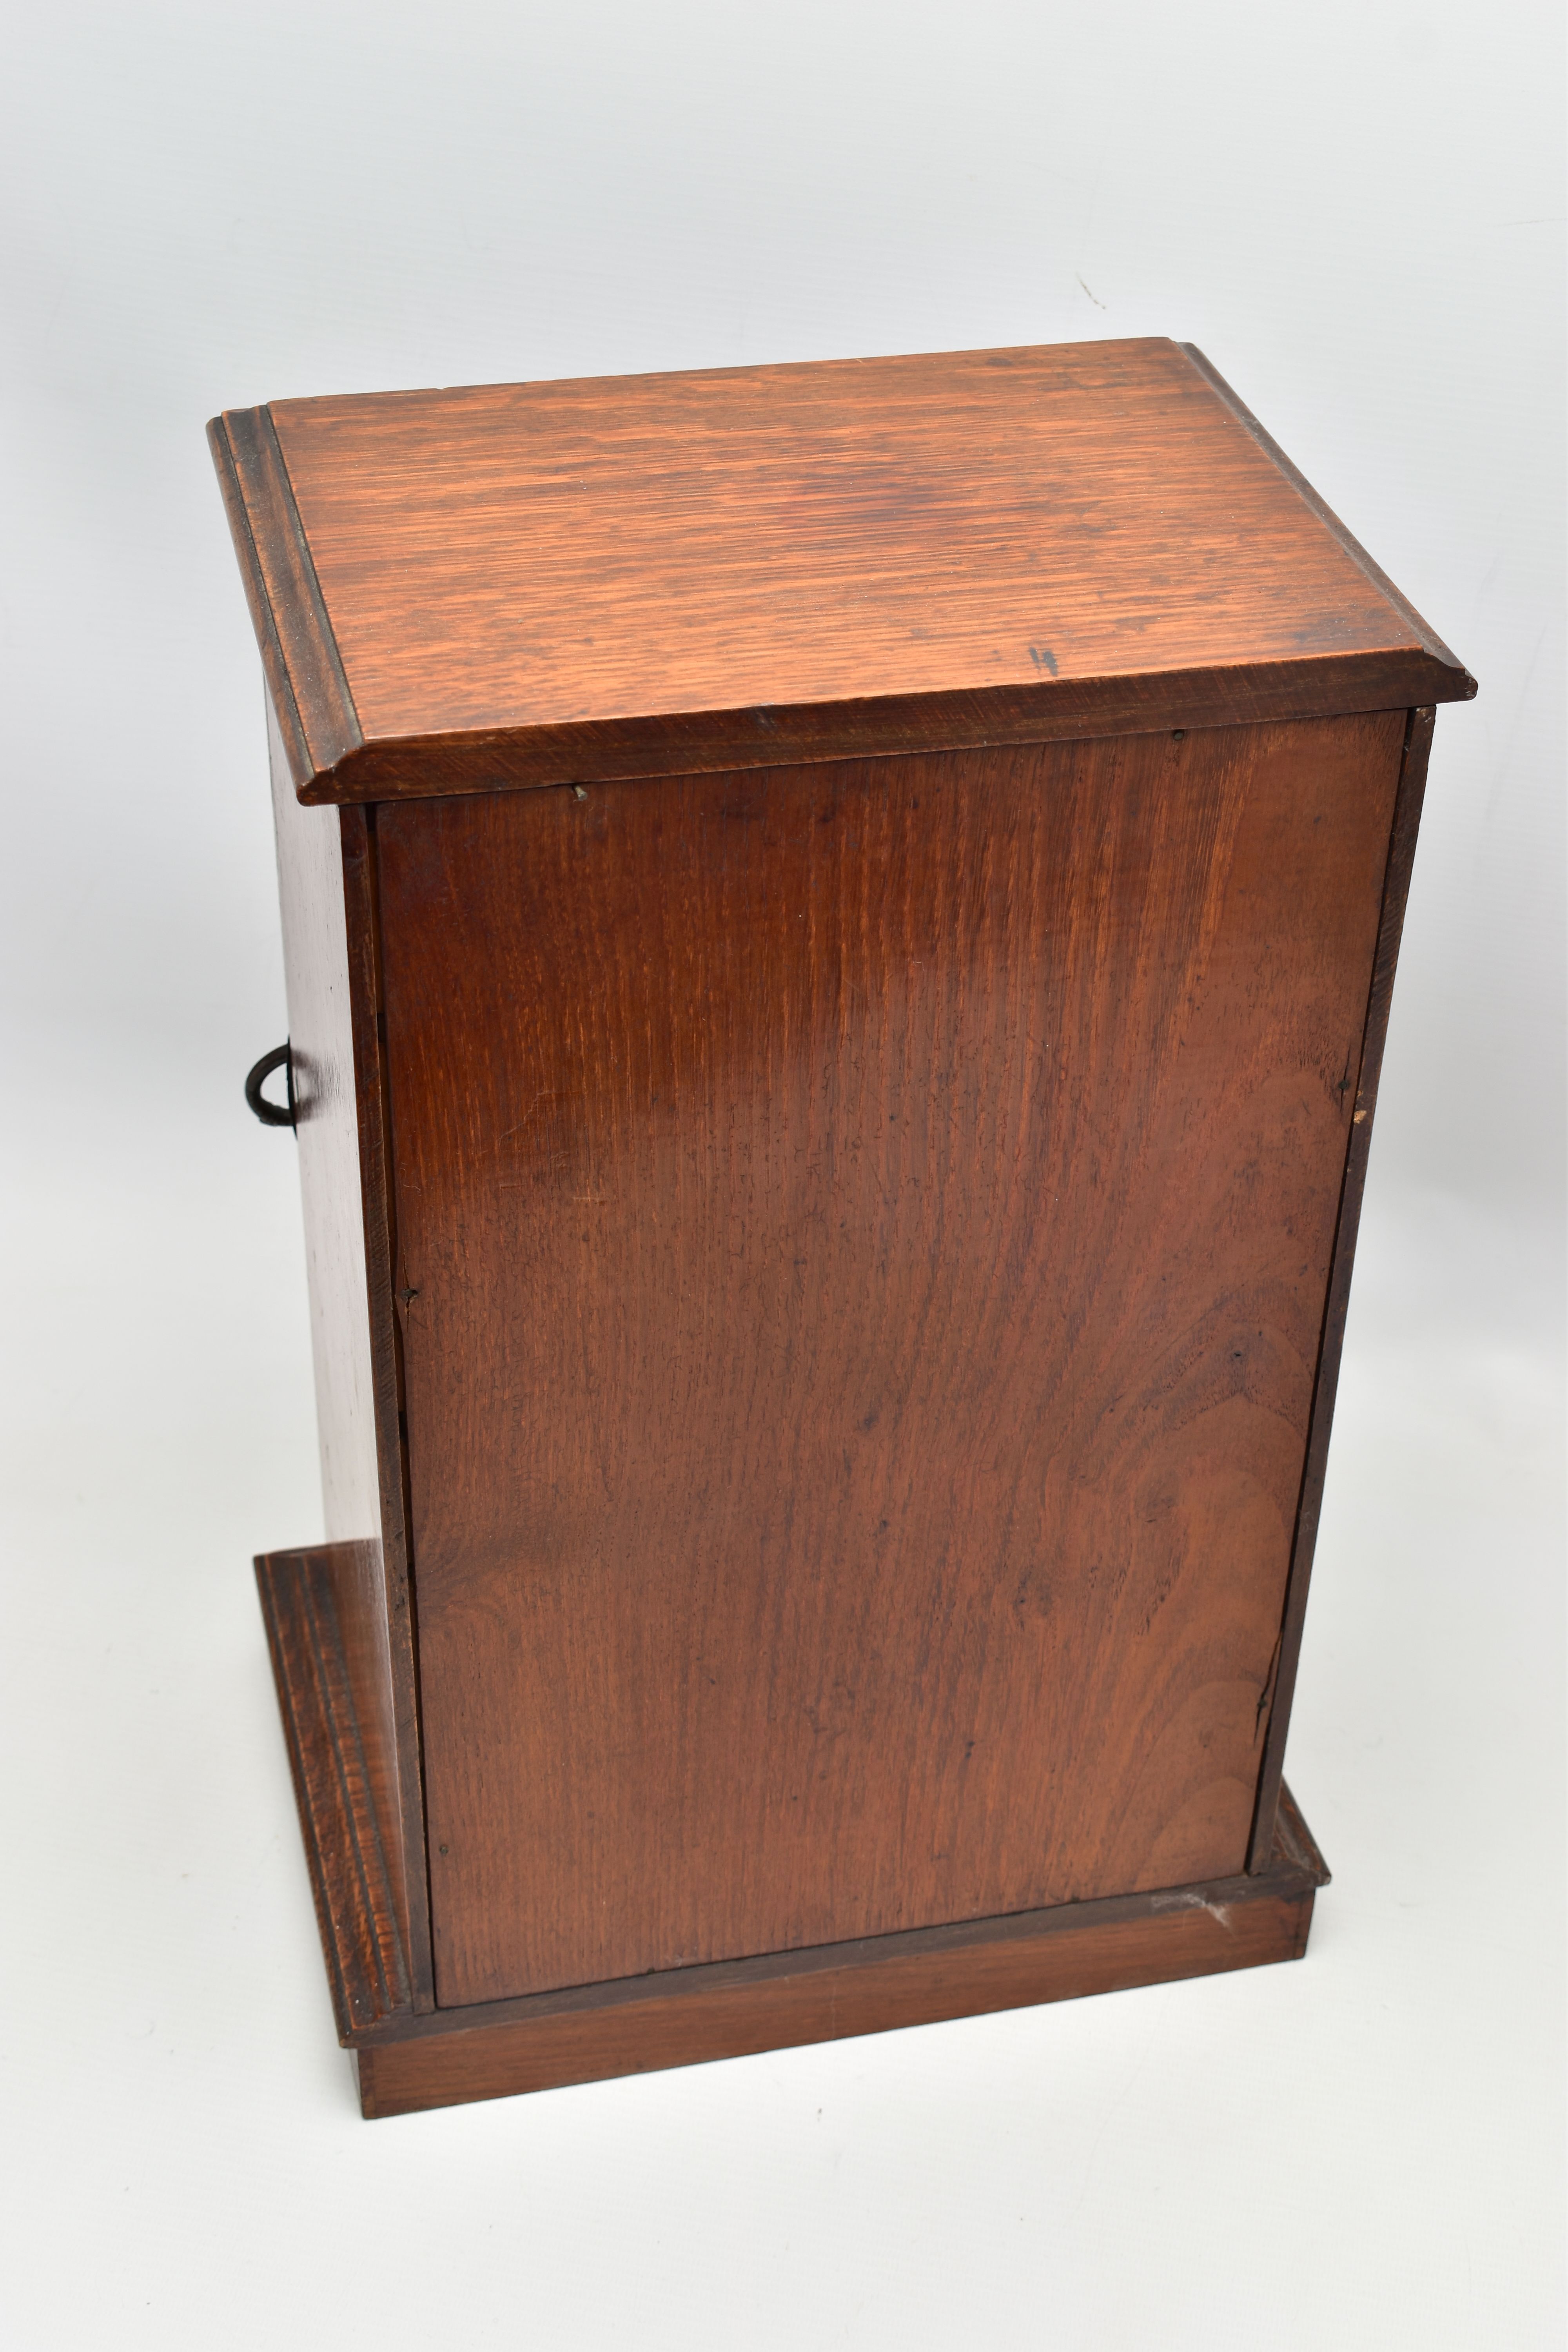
[
  {"x": 408, "y": 2060},
  {"x": 863, "y": 1241},
  {"x": 1390, "y": 927},
  {"x": 326, "y": 892},
  {"x": 523, "y": 583},
  {"x": 874, "y": 1987},
  {"x": 308, "y": 698},
  {"x": 349, "y": 1856},
  {"x": 678, "y": 2016}
]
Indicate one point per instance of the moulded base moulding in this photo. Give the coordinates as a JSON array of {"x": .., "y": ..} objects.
[
  {"x": 738, "y": 2009},
  {"x": 410, "y": 2060}
]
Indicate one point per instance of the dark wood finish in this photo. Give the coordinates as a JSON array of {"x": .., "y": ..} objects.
[
  {"x": 408, "y": 2059},
  {"x": 863, "y": 1238},
  {"x": 360, "y": 897},
  {"x": 1391, "y": 926},
  {"x": 1295, "y": 1864},
  {"x": 325, "y": 864},
  {"x": 519, "y": 584},
  {"x": 830, "y": 1239},
  {"x": 873, "y": 1987},
  {"x": 310, "y": 695},
  {"x": 733, "y": 740},
  {"x": 1420, "y": 630},
  {"x": 1294, "y": 1846},
  {"x": 335, "y": 1784}
]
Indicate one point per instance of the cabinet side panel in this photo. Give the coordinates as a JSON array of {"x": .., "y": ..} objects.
[
  {"x": 321, "y": 1032},
  {"x": 864, "y": 1236},
  {"x": 1397, "y": 888}
]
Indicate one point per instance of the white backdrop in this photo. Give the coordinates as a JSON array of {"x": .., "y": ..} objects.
[{"x": 1356, "y": 210}]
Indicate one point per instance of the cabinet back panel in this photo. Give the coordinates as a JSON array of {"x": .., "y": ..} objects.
[{"x": 864, "y": 1232}]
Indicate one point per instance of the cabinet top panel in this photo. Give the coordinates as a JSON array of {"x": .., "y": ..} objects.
[{"x": 537, "y": 583}]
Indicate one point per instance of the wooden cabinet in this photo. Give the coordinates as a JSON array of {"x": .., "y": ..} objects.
[{"x": 839, "y": 923}]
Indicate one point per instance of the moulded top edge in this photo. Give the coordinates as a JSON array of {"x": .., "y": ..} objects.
[{"x": 525, "y": 583}]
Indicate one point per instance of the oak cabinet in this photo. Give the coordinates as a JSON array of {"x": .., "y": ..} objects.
[{"x": 839, "y": 923}]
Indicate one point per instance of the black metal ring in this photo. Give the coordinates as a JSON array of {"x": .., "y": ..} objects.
[{"x": 271, "y": 1114}]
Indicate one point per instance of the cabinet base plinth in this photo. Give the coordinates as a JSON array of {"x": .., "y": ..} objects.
[
  {"x": 866, "y": 1994},
  {"x": 733, "y": 2009}
]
